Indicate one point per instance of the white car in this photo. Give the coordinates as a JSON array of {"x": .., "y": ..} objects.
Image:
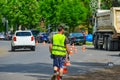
[
  {"x": 23, "y": 39},
  {"x": 2, "y": 36}
]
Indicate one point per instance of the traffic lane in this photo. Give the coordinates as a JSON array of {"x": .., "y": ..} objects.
[
  {"x": 92, "y": 60},
  {"x": 40, "y": 55},
  {"x": 2, "y": 51},
  {"x": 27, "y": 63},
  {"x": 93, "y": 55},
  {"x": 34, "y": 70},
  {"x": 82, "y": 62}
]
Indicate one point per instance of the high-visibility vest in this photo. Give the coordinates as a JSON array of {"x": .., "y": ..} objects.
[{"x": 58, "y": 47}]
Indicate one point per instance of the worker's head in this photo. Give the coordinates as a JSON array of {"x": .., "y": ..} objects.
[{"x": 61, "y": 29}]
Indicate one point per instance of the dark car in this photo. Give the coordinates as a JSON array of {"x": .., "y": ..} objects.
[
  {"x": 76, "y": 38},
  {"x": 35, "y": 33},
  {"x": 42, "y": 37}
]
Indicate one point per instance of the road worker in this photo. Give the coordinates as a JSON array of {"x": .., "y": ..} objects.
[{"x": 59, "y": 49}]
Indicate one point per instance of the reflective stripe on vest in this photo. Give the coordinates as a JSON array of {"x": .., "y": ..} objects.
[{"x": 58, "y": 47}]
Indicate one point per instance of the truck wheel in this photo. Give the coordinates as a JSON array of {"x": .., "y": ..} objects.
[
  {"x": 12, "y": 48},
  {"x": 95, "y": 42},
  {"x": 100, "y": 46},
  {"x": 115, "y": 45},
  {"x": 105, "y": 43},
  {"x": 109, "y": 44}
]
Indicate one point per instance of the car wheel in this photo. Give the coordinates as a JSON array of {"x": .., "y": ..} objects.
[
  {"x": 33, "y": 48},
  {"x": 12, "y": 48}
]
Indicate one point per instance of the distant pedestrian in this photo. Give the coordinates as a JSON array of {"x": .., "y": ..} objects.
[
  {"x": 84, "y": 43},
  {"x": 59, "y": 49},
  {"x": 84, "y": 35}
]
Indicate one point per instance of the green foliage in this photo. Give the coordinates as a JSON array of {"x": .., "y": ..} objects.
[
  {"x": 106, "y": 4},
  {"x": 69, "y": 12},
  {"x": 22, "y": 12},
  {"x": 29, "y": 13}
]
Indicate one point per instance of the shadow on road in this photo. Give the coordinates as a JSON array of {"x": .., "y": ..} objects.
[
  {"x": 35, "y": 68},
  {"x": 44, "y": 70},
  {"x": 20, "y": 51},
  {"x": 26, "y": 68},
  {"x": 92, "y": 48},
  {"x": 115, "y": 55}
]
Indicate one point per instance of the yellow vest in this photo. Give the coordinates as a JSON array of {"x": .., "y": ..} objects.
[{"x": 58, "y": 47}]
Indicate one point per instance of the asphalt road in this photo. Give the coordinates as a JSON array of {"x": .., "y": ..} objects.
[{"x": 24, "y": 64}]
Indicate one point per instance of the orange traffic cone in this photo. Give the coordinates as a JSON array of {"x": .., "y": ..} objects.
[
  {"x": 36, "y": 43},
  {"x": 71, "y": 51},
  {"x": 76, "y": 50},
  {"x": 83, "y": 48},
  {"x": 65, "y": 70}
]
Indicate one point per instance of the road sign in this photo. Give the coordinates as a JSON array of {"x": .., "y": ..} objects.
[{"x": 94, "y": 5}]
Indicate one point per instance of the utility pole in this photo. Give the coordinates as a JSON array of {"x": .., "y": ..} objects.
[
  {"x": 94, "y": 6},
  {"x": 99, "y": 4},
  {"x": 5, "y": 23}
]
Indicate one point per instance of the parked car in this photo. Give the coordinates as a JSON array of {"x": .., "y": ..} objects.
[
  {"x": 76, "y": 38},
  {"x": 51, "y": 34},
  {"x": 2, "y": 36},
  {"x": 9, "y": 36},
  {"x": 42, "y": 37},
  {"x": 23, "y": 39},
  {"x": 35, "y": 33}
]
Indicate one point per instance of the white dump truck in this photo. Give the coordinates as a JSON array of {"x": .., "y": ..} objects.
[{"x": 106, "y": 32}]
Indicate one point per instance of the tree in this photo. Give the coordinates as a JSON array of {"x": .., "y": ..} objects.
[
  {"x": 50, "y": 11},
  {"x": 29, "y": 13},
  {"x": 69, "y": 12},
  {"x": 22, "y": 12},
  {"x": 116, "y": 3},
  {"x": 2, "y": 25},
  {"x": 107, "y": 4}
]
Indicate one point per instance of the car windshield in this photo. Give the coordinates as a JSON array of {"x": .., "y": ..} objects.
[
  {"x": 23, "y": 34},
  {"x": 76, "y": 34}
]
